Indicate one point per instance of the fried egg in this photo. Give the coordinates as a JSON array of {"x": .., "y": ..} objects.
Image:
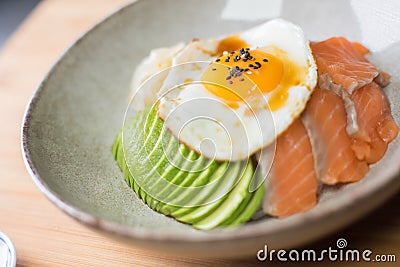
[{"x": 228, "y": 97}]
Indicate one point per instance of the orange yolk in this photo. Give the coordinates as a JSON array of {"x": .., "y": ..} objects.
[
  {"x": 230, "y": 43},
  {"x": 266, "y": 78},
  {"x": 234, "y": 79}
]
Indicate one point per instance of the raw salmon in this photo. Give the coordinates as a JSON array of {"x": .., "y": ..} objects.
[
  {"x": 346, "y": 126},
  {"x": 344, "y": 62},
  {"x": 360, "y": 48},
  {"x": 375, "y": 122},
  {"x": 325, "y": 119},
  {"x": 291, "y": 186}
]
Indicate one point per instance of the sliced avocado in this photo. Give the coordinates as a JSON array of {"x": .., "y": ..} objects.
[
  {"x": 217, "y": 196},
  {"x": 177, "y": 181},
  {"x": 160, "y": 162},
  {"x": 239, "y": 210},
  {"x": 246, "y": 211},
  {"x": 230, "y": 204},
  {"x": 199, "y": 182},
  {"x": 215, "y": 179},
  {"x": 154, "y": 156},
  {"x": 251, "y": 207},
  {"x": 192, "y": 174}
]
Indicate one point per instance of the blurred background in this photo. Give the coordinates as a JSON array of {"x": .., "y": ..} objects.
[{"x": 12, "y": 12}]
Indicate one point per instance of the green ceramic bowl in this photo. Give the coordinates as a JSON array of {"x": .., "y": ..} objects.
[{"x": 78, "y": 109}]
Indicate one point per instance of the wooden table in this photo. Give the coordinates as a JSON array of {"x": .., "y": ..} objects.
[{"x": 43, "y": 235}]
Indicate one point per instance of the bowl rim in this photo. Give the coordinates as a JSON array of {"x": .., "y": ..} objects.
[{"x": 248, "y": 231}]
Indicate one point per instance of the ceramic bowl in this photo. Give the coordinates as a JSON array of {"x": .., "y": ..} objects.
[{"x": 78, "y": 109}]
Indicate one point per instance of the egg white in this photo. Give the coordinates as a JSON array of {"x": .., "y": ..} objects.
[{"x": 193, "y": 114}]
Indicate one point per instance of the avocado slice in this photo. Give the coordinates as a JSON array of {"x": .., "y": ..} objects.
[
  {"x": 150, "y": 149},
  {"x": 231, "y": 202},
  {"x": 211, "y": 174},
  {"x": 217, "y": 196},
  {"x": 247, "y": 210},
  {"x": 205, "y": 211},
  {"x": 203, "y": 178},
  {"x": 250, "y": 209}
]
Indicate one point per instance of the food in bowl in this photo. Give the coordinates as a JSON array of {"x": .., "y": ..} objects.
[{"x": 256, "y": 121}]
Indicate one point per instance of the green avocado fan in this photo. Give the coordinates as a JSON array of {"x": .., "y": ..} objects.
[{"x": 176, "y": 181}]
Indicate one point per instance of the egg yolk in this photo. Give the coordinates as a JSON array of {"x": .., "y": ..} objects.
[{"x": 240, "y": 74}]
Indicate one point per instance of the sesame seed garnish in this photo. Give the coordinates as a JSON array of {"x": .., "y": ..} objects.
[{"x": 235, "y": 71}]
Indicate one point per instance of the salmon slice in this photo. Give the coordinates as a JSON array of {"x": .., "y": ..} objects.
[
  {"x": 375, "y": 122},
  {"x": 360, "y": 48},
  {"x": 291, "y": 185},
  {"x": 325, "y": 119},
  {"x": 383, "y": 78},
  {"x": 344, "y": 62}
]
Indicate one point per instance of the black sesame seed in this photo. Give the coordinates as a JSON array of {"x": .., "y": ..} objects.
[
  {"x": 230, "y": 82},
  {"x": 217, "y": 60},
  {"x": 242, "y": 79},
  {"x": 265, "y": 60},
  {"x": 247, "y": 48},
  {"x": 258, "y": 64},
  {"x": 213, "y": 69},
  {"x": 255, "y": 67},
  {"x": 251, "y": 65},
  {"x": 232, "y": 52},
  {"x": 228, "y": 78},
  {"x": 227, "y": 60},
  {"x": 246, "y": 69}
]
